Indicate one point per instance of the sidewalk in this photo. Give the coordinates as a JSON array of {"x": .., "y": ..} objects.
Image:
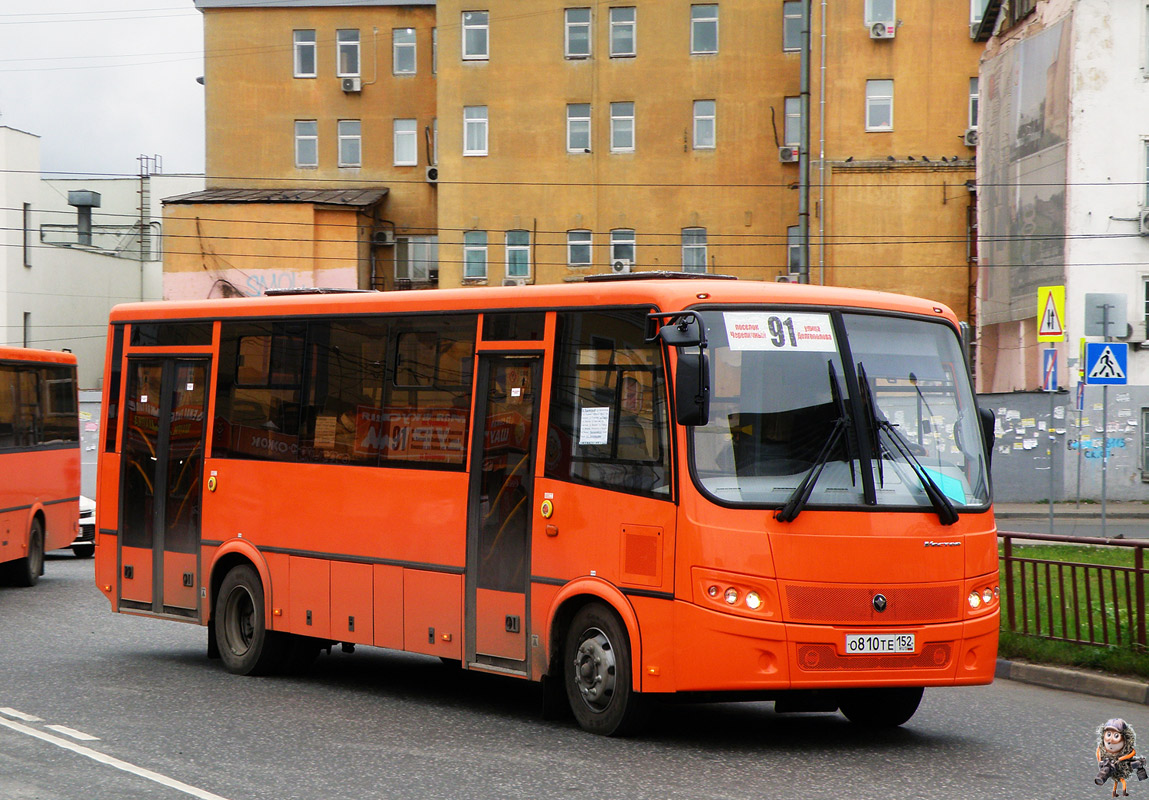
[
  {"x": 1081, "y": 681},
  {"x": 1113, "y": 510}
]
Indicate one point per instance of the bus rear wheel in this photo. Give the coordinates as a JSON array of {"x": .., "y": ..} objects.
[
  {"x": 26, "y": 571},
  {"x": 597, "y": 673},
  {"x": 246, "y": 646},
  {"x": 880, "y": 708}
]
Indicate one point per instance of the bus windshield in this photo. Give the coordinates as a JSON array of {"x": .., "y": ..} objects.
[{"x": 786, "y": 384}]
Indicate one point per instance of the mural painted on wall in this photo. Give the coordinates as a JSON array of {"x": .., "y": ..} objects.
[
  {"x": 252, "y": 282},
  {"x": 1022, "y": 149}
]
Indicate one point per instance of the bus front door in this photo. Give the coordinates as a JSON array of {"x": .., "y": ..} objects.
[
  {"x": 162, "y": 475},
  {"x": 499, "y": 511}
]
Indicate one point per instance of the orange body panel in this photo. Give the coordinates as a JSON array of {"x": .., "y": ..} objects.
[
  {"x": 138, "y": 562},
  {"x": 176, "y": 592},
  {"x": 492, "y": 610},
  {"x": 310, "y": 581},
  {"x": 388, "y": 606},
  {"x": 433, "y": 613},
  {"x": 352, "y": 609}
]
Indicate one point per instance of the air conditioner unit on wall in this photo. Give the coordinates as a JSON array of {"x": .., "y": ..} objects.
[
  {"x": 970, "y": 137},
  {"x": 620, "y": 266},
  {"x": 1144, "y": 227},
  {"x": 514, "y": 281},
  {"x": 789, "y": 277},
  {"x": 788, "y": 154},
  {"x": 883, "y": 30},
  {"x": 432, "y": 174},
  {"x": 383, "y": 238},
  {"x": 351, "y": 84}
]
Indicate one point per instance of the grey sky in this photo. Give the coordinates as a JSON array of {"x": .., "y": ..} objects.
[{"x": 104, "y": 81}]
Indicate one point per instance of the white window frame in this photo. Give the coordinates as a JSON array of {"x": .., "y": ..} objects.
[
  {"x": 878, "y": 97},
  {"x": 887, "y": 11},
  {"x": 478, "y": 25},
  {"x": 347, "y": 49},
  {"x": 974, "y": 96},
  {"x": 416, "y": 258},
  {"x": 434, "y": 51},
  {"x": 405, "y": 143},
  {"x": 575, "y": 119},
  {"x": 576, "y": 240},
  {"x": 694, "y": 249},
  {"x": 474, "y": 244},
  {"x": 705, "y": 118},
  {"x": 1145, "y": 151},
  {"x": 622, "y": 124},
  {"x": 791, "y": 26},
  {"x": 435, "y": 140},
  {"x": 403, "y": 49},
  {"x": 794, "y": 248},
  {"x": 623, "y": 244},
  {"x": 570, "y": 26},
  {"x": 976, "y": 11},
  {"x": 350, "y": 135},
  {"x": 301, "y": 45},
  {"x": 306, "y": 130},
  {"x": 475, "y": 121},
  {"x": 518, "y": 254},
  {"x": 618, "y": 25},
  {"x": 792, "y": 125},
  {"x": 697, "y": 24}
]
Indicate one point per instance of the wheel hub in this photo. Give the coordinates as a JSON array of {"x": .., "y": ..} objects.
[{"x": 595, "y": 669}]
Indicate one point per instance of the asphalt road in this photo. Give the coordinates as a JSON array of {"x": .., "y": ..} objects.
[
  {"x": 1088, "y": 526},
  {"x": 169, "y": 724}
]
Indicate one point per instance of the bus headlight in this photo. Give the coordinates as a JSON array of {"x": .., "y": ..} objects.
[
  {"x": 731, "y": 595},
  {"x": 753, "y": 601},
  {"x": 974, "y": 599},
  {"x": 986, "y": 596}
]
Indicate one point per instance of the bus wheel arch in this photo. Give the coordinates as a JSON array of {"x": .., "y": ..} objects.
[
  {"x": 245, "y": 643},
  {"x": 26, "y": 571}
]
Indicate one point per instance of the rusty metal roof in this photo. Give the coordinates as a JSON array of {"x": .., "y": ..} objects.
[{"x": 360, "y": 198}]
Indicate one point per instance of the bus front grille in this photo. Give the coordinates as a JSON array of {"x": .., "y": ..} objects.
[{"x": 831, "y": 604}]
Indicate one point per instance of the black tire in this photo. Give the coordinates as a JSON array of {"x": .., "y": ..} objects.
[
  {"x": 597, "y": 673},
  {"x": 880, "y": 708},
  {"x": 83, "y": 550},
  {"x": 246, "y": 646},
  {"x": 26, "y": 571}
]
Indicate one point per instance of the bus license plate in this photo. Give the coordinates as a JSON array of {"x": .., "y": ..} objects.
[{"x": 869, "y": 643}]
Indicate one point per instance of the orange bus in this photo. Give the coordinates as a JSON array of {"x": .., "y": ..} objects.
[
  {"x": 39, "y": 459},
  {"x": 625, "y": 488}
]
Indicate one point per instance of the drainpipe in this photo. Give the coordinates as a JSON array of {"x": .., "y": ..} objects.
[{"x": 804, "y": 151}]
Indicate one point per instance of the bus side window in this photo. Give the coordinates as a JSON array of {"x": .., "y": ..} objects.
[{"x": 7, "y": 407}]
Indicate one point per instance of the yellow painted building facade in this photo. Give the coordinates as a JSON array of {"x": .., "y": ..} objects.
[{"x": 641, "y": 134}]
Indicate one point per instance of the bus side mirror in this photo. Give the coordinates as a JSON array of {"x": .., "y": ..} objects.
[
  {"x": 692, "y": 388},
  {"x": 988, "y": 423},
  {"x": 686, "y": 332}
]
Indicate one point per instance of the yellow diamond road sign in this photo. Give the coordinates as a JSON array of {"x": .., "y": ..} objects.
[{"x": 1051, "y": 314}]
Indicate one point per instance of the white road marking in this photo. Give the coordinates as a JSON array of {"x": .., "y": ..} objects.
[
  {"x": 14, "y": 714},
  {"x": 75, "y": 734},
  {"x": 95, "y": 755}
]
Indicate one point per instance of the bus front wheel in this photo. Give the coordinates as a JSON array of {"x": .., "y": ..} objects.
[
  {"x": 26, "y": 571},
  {"x": 880, "y": 708},
  {"x": 246, "y": 646},
  {"x": 597, "y": 673}
]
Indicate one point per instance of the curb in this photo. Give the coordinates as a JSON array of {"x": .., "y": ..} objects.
[{"x": 1073, "y": 680}]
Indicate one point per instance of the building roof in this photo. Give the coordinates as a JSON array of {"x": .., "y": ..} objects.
[{"x": 360, "y": 198}]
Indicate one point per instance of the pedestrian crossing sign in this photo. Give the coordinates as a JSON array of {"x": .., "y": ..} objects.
[
  {"x": 1107, "y": 363},
  {"x": 1051, "y": 313}
]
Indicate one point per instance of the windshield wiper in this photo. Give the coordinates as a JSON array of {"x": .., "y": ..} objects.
[
  {"x": 801, "y": 494},
  {"x": 942, "y": 505}
]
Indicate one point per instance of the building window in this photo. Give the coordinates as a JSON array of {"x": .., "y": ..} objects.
[
  {"x": 578, "y": 248},
  {"x": 434, "y": 51},
  {"x": 518, "y": 254},
  {"x": 474, "y": 130},
  {"x": 435, "y": 140},
  {"x": 306, "y": 143},
  {"x": 350, "y": 144},
  {"x": 694, "y": 249},
  {"x": 27, "y": 245},
  {"x": 880, "y": 11},
  {"x": 794, "y": 249},
  {"x": 417, "y": 258},
  {"x": 792, "y": 129},
  {"x": 1146, "y": 146},
  {"x": 577, "y": 33},
  {"x": 792, "y": 26},
  {"x": 704, "y": 125},
  {"x": 703, "y": 29},
  {"x": 304, "y": 54},
  {"x": 879, "y": 105},
  {"x": 578, "y": 127},
  {"x": 403, "y": 51},
  {"x": 973, "y": 94},
  {"x": 475, "y": 39},
  {"x": 406, "y": 143},
  {"x": 347, "y": 53},
  {"x": 475, "y": 254},
  {"x": 623, "y": 30},
  {"x": 622, "y": 247},
  {"x": 622, "y": 127}
]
